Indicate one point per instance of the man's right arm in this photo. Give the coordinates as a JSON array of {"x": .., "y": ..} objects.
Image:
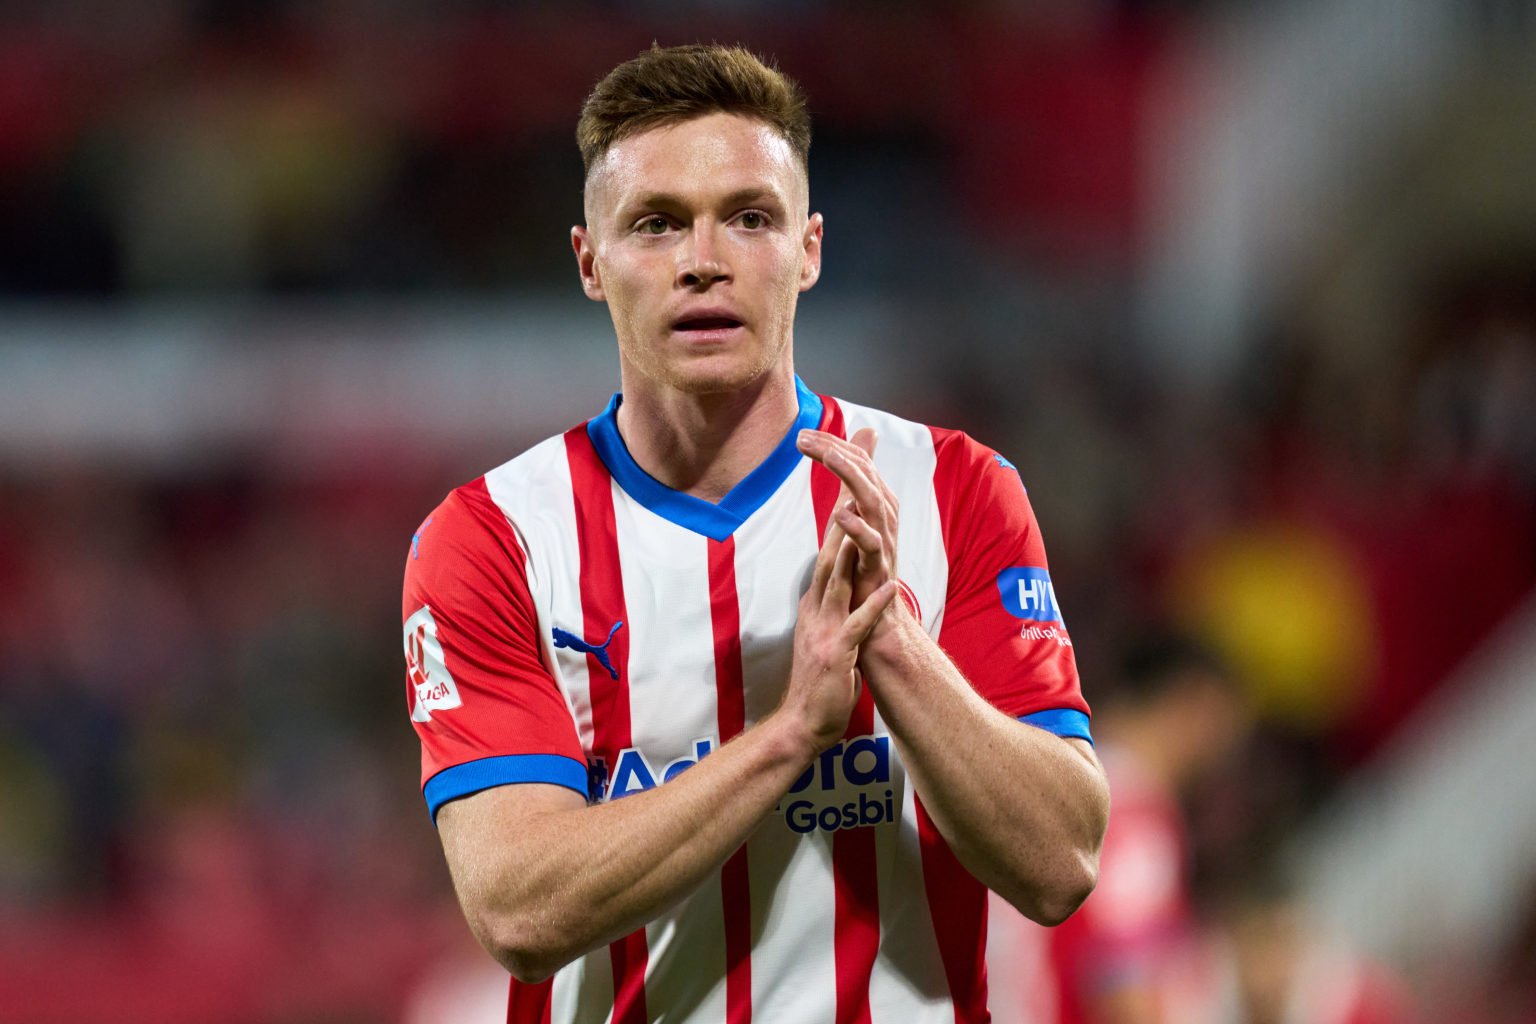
[{"x": 543, "y": 878}]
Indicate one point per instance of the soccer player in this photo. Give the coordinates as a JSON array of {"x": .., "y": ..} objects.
[{"x": 709, "y": 734}]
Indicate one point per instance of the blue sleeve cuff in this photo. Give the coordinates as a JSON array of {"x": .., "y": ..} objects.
[
  {"x": 1061, "y": 721},
  {"x": 473, "y": 776}
]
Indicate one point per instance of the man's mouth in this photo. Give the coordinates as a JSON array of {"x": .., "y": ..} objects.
[{"x": 706, "y": 323}]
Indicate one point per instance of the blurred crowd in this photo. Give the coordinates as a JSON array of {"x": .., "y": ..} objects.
[
  {"x": 209, "y": 802},
  {"x": 180, "y": 146},
  {"x": 209, "y": 805}
]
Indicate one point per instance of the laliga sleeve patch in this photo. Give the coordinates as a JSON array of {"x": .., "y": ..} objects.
[{"x": 428, "y": 674}]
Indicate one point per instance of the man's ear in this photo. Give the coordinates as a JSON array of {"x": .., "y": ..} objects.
[
  {"x": 810, "y": 270},
  {"x": 586, "y": 263}
]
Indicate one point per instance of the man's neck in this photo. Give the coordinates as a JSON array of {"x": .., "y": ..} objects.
[{"x": 704, "y": 445}]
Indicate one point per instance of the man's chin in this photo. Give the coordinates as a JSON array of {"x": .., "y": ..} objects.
[
  {"x": 715, "y": 377},
  {"x": 708, "y": 384}
]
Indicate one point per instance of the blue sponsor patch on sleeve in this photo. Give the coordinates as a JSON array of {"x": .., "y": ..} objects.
[{"x": 1027, "y": 594}]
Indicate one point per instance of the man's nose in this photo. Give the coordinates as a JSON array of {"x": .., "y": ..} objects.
[{"x": 703, "y": 259}]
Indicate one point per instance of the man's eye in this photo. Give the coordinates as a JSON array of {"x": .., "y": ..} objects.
[
  {"x": 752, "y": 220},
  {"x": 654, "y": 226}
]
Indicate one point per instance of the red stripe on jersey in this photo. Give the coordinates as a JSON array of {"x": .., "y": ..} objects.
[
  {"x": 730, "y": 695},
  {"x": 529, "y": 1004},
  {"x": 856, "y": 896},
  {"x": 958, "y": 905},
  {"x": 602, "y": 605},
  {"x": 725, "y": 618},
  {"x": 956, "y": 901},
  {"x": 824, "y": 482},
  {"x": 948, "y": 479}
]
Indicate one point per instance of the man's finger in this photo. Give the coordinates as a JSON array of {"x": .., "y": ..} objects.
[
  {"x": 870, "y": 543},
  {"x": 825, "y": 558},
  {"x": 831, "y": 544},
  {"x": 883, "y": 514},
  {"x": 839, "y": 592},
  {"x": 857, "y": 626},
  {"x": 865, "y": 439},
  {"x": 852, "y": 462},
  {"x": 812, "y": 443},
  {"x": 859, "y": 479},
  {"x": 819, "y": 444},
  {"x": 859, "y": 451}
]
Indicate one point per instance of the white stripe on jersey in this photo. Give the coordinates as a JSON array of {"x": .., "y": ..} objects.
[
  {"x": 534, "y": 490},
  {"x": 671, "y": 706},
  {"x": 793, "y": 971},
  {"x": 905, "y": 458},
  {"x": 582, "y": 993}
]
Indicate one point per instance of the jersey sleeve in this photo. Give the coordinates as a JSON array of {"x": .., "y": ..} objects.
[
  {"x": 482, "y": 700},
  {"x": 1002, "y": 624}
]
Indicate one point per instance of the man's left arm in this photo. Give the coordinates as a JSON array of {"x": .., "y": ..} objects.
[{"x": 1023, "y": 809}]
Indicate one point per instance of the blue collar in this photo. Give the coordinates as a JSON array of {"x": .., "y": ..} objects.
[{"x": 716, "y": 522}]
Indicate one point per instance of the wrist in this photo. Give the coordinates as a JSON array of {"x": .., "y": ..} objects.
[
  {"x": 789, "y": 737},
  {"x": 894, "y": 633}
]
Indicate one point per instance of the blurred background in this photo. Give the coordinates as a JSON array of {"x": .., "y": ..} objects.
[{"x": 1246, "y": 289}]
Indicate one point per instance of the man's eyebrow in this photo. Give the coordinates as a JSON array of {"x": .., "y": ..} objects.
[
  {"x": 670, "y": 201},
  {"x": 748, "y": 196}
]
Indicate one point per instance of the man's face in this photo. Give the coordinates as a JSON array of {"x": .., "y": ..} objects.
[{"x": 698, "y": 238}]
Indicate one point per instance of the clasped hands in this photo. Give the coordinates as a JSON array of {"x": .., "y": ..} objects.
[
  {"x": 864, "y": 521},
  {"x": 861, "y": 536},
  {"x": 850, "y": 604}
]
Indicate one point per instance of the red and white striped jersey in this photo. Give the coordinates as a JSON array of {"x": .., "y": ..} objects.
[{"x": 570, "y": 620}]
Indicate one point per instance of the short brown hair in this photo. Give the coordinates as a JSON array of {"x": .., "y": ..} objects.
[{"x": 668, "y": 85}]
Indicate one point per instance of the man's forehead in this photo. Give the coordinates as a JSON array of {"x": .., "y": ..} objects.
[{"x": 724, "y": 151}]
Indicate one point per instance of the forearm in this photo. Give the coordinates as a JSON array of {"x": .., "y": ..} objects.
[
  {"x": 543, "y": 878},
  {"x": 1024, "y": 810},
  {"x": 574, "y": 877}
]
